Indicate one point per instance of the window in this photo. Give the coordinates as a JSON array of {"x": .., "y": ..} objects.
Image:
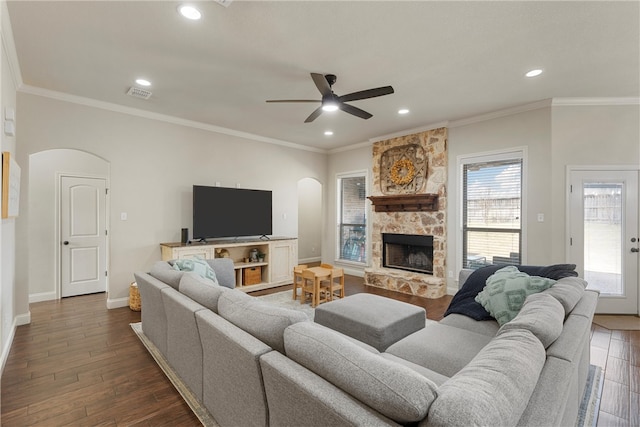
[
  {"x": 492, "y": 210},
  {"x": 352, "y": 221}
]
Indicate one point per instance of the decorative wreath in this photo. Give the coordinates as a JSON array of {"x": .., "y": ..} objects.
[{"x": 403, "y": 172}]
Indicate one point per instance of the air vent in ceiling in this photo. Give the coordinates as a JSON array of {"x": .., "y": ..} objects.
[{"x": 136, "y": 92}]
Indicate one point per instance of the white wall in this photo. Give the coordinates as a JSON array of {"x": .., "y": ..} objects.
[
  {"x": 589, "y": 135},
  {"x": 153, "y": 167}
]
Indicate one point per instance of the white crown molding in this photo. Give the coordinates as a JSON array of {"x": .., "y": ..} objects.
[
  {"x": 350, "y": 147},
  {"x": 410, "y": 131},
  {"x": 501, "y": 113},
  {"x": 9, "y": 46},
  {"x": 561, "y": 102},
  {"x": 46, "y": 93}
]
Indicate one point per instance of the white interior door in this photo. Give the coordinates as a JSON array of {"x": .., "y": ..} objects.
[
  {"x": 83, "y": 257},
  {"x": 604, "y": 235}
]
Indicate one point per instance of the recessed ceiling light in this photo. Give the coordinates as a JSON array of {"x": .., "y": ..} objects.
[
  {"x": 534, "y": 73},
  {"x": 328, "y": 133},
  {"x": 403, "y": 111},
  {"x": 190, "y": 12},
  {"x": 143, "y": 82}
]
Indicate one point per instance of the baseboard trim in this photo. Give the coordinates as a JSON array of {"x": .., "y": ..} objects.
[
  {"x": 23, "y": 319},
  {"x": 42, "y": 296},
  {"x": 117, "y": 303},
  {"x": 7, "y": 346}
]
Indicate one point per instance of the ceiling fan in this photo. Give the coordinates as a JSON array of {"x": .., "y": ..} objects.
[{"x": 332, "y": 102}]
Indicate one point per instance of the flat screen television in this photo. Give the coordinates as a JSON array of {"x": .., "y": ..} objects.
[{"x": 230, "y": 212}]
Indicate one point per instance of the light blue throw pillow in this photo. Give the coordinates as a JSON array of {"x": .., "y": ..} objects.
[
  {"x": 506, "y": 290},
  {"x": 198, "y": 265}
]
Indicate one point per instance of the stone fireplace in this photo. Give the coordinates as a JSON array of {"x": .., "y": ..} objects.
[{"x": 409, "y": 218}]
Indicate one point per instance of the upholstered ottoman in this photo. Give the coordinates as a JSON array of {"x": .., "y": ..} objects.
[{"x": 372, "y": 319}]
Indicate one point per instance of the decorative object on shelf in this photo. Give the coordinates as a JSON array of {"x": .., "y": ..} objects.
[
  {"x": 253, "y": 255},
  {"x": 261, "y": 256},
  {"x": 222, "y": 253},
  {"x": 403, "y": 170}
]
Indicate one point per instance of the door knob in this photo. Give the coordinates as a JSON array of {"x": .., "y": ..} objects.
[
  {"x": 635, "y": 250},
  {"x": 66, "y": 242}
]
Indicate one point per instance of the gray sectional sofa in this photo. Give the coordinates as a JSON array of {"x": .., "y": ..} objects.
[{"x": 251, "y": 363}]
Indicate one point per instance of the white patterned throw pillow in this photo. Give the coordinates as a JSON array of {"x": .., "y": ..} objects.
[{"x": 198, "y": 265}]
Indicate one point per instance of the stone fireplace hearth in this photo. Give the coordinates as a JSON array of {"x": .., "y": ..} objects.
[{"x": 409, "y": 196}]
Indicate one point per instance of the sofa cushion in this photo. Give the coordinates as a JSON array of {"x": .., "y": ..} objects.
[
  {"x": 568, "y": 291},
  {"x": 441, "y": 348},
  {"x": 201, "y": 290},
  {"x": 262, "y": 320},
  {"x": 392, "y": 389},
  {"x": 163, "y": 271},
  {"x": 463, "y": 301},
  {"x": 437, "y": 378},
  {"x": 225, "y": 273},
  {"x": 541, "y": 314},
  {"x": 495, "y": 387},
  {"x": 506, "y": 291},
  {"x": 198, "y": 266},
  {"x": 484, "y": 327}
]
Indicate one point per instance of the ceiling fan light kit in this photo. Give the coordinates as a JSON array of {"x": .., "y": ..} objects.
[{"x": 332, "y": 102}]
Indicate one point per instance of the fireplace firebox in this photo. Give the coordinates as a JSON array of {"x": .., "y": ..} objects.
[{"x": 410, "y": 252}]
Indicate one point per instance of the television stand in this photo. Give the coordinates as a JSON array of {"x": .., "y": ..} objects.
[{"x": 280, "y": 256}]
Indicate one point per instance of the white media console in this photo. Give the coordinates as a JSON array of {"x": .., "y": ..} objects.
[{"x": 281, "y": 255}]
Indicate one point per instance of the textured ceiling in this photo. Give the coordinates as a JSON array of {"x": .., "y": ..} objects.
[{"x": 445, "y": 60}]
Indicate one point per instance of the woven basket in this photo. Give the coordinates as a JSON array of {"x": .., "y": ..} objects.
[{"x": 134, "y": 297}]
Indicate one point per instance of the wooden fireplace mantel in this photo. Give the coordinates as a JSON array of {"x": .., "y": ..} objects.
[{"x": 405, "y": 203}]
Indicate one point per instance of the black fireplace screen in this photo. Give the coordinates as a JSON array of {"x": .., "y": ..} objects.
[{"x": 408, "y": 252}]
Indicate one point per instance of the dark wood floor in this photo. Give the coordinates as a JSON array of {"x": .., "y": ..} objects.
[{"x": 79, "y": 364}]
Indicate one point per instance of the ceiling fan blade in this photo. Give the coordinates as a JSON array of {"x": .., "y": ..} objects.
[
  {"x": 321, "y": 84},
  {"x": 293, "y": 100},
  {"x": 314, "y": 115},
  {"x": 355, "y": 111},
  {"x": 364, "y": 94}
]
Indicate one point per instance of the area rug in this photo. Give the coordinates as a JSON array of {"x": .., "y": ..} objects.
[
  {"x": 198, "y": 409},
  {"x": 285, "y": 299},
  {"x": 622, "y": 323},
  {"x": 590, "y": 403}
]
